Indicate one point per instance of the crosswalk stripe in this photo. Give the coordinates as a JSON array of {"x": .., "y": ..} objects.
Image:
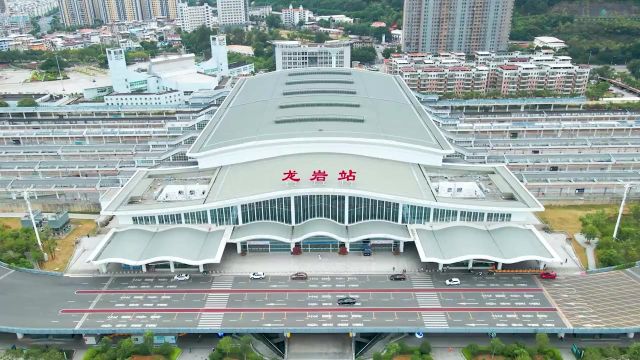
[
  {"x": 210, "y": 320},
  {"x": 434, "y": 319}
]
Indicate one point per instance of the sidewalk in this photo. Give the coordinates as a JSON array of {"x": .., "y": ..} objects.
[{"x": 590, "y": 249}]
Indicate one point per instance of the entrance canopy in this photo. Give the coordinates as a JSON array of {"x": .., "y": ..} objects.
[
  {"x": 502, "y": 243},
  {"x": 183, "y": 244},
  {"x": 320, "y": 227}
]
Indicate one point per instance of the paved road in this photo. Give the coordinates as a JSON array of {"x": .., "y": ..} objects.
[{"x": 223, "y": 302}]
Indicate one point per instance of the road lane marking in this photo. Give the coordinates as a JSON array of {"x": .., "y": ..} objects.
[{"x": 93, "y": 304}]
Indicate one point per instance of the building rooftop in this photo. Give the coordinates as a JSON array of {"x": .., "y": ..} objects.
[
  {"x": 481, "y": 186},
  {"x": 345, "y": 105}
]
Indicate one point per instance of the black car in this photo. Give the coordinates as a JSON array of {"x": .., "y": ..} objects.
[
  {"x": 347, "y": 301},
  {"x": 299, "y": 276},
  {"x": 398, "y": 277}
]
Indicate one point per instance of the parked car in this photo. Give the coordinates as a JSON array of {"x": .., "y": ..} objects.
[
  {"x": 182, "y": 277},
  {"x": 348, "y": 300},
  {"x": 452, "y": 281},
  {"x": 299, "y": 276},
  {"x": 257, "y": 275},
  {"x": 398, "y": 277},
  {"x": 548, "y": 275}
]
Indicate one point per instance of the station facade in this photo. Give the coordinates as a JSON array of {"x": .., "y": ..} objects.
[{"x": 316, "y": 160}]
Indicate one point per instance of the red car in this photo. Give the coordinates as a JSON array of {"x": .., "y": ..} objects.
[{"x": 548, "y": 275}]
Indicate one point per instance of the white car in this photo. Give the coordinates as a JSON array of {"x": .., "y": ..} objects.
[
  {"x": 257, "y": 276},
  {"x": 182, "y": 277},
  {"x": 452, "y": 281}
]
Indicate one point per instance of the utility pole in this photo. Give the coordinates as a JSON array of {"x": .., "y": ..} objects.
[
  {"x": 25, "y": 194},
  {"x": 624, "y": 199},
  {"x": 60, "y": 73}
]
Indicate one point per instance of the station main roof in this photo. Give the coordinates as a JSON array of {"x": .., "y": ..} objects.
[{"x": 316, "y": 104}]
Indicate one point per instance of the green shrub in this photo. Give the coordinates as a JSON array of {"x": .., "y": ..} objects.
[
  {"x": 426, "y": 357},
  {"x": 404, "y": 349},
  {"x": 216, "y": 355},
  {"x": 165, "y": 349},
  {"x": 376, "y": 356},
  {"x": 425, "y": 347}
]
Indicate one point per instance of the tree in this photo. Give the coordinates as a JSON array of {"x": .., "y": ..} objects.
[
  {"x": 496, "y": 346},
  {"x": 597, "y": 91},
  {"x": 273, "y": 21},
  {"x": 634, "y": 68},
  {"x": 49, "y": 241},
  {"x": 592, "y": 354},
  {"x": 125, "y": 348},
  {"x": 51, "y": 64},
  {"x": 364, "y": 54},
  {"x": 386, "y": 53},
  {"x": 590, "y": 232},
  {"x": 320, "y": 37},
  {"x": 226, "y": 345},
  {"x": 245, "y": 345},
  {"x": 425, "y": 347},
  {"x": 3, "y": 103},
  {"x": 634, "y": 351},
  {"x": 542, "y": 342},
  {"x": 27, "y": 102}
]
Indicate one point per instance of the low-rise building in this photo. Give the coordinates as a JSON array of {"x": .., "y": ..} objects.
[
  {"x": 293, "y": 16},
  {"x": 549, "y": 42},
  {"x": 260, "y": 11},
  {"x": 172, "y": 97},
  {"x": 335, "y": 18},
  {"x": 294, "y": 54}
]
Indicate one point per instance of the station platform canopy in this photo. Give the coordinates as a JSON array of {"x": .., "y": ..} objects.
[{"x": 502, "y": 243}]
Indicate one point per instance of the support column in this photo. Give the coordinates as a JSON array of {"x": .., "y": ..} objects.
[
  {"x": 440, "y": 265},
  {"x": 201, "y": 268},
  {"x": 292, "y": 245},
  {"x": 470, "y": 264},
  {"x": 630, "y": 335},
  {"x": 542, "y": 264},
  {"x": 239, "y": 247},
  {"x": 172, "y": 267},
  {"x": 102, "y": 268},
  {"x": 144, "y": 268},
  {"x": 499, "y": 266},
  {"x": 20, "y": 336},
  {"x": 401, "y": 246},
  {"x": 346, "y": 245}
]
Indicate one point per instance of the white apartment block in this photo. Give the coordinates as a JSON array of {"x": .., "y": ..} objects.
[
  {"x": 233, "y": 12},
  {"x": 456, "y": 25},
  {"x": 293, "y": 16},
  {"x": 509, "y": 74},
  {"x": 192, "y": 17},
  {"x": 295, "y": 55}
]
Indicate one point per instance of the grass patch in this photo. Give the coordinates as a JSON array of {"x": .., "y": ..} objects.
[
  {"x": 580, "y": 252},
  {"x": 66, "y": 246}
]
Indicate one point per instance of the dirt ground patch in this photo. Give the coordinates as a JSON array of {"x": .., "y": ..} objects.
[
  {"x": 12, "y": 223},
  {"x": 66, "y": 246}
]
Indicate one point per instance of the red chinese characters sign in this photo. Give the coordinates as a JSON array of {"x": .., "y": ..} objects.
[{"x": 319, "y": 175}]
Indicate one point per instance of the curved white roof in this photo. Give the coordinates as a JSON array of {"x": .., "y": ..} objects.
[
  {"x": 320, "y": 110},
  {"x": 506, "y": 243}
]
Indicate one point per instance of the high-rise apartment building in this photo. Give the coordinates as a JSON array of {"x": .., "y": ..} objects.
[
  {"x": 456, "y": 25},
  {"x": 233, "y": 12},
  {"x": 164, "y": 8},
  {"x": 77, "y": 12},
  {"x": 3, "y": 6}
]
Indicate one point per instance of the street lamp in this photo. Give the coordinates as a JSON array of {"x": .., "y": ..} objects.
[
  {"x": 627, "y": 187},
  {"x": 25, "y": 194}
]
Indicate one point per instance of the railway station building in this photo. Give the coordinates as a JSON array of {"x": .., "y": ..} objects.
[{"x": 319, "y": 159}]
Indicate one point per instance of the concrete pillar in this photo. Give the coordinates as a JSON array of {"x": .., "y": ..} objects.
[
  {"x": 144, "y": 268},
  {"x": 172, "y": 266},
  {"x": 440, "y": 265},
  {"x": 292, "y": 245},
  {"x": 346, "y": 245},
  {"x": 20, "y": 336},
  {"x": 542, "y": 264},
  {"x": 401, "y": 246},
  {"x": 102, "y": 268},
  {"x": 499, "y": 266},
  {"x": 239, "y": 247},
  {"x": 470, "y": 264},
  {"x": 201, "y": 268},
  {"x": 561, "y": 336},
  {"x": 630, "y": 335}
]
